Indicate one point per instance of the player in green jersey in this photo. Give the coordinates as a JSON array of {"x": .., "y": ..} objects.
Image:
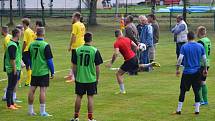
[
  {"x": 205, "y": 41},
  {"x": 86, "y": 60},
  {"x": 41, "y": 64},
  {"x": 13, "y": 66}
]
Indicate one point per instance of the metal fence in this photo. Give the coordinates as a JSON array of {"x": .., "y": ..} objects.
[{"x": 165, "y": 19}]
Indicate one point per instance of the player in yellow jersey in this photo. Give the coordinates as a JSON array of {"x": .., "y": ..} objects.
[
  {"x": 7, "y": 37},
  {"x": 29, "y": 36},
  {"x": 77, "y": 38}
]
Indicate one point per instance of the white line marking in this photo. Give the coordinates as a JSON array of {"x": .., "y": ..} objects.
[
  {"x": 107, "y": 60},
  {"x": 3, "y": 80}
]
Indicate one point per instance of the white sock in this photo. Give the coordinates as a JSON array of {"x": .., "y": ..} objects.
[
  {"x": 147, "y": 65},
  {"x": 197, "y": 105},
  {"x": 42, "y": 108},
  {"x": 30, "y": 109},
  {"x": 180, "y": 104},
  {"x": 122, "y": 87},
  {"x": 5, "y": 92},
  {"x": 14, "y": 95}
]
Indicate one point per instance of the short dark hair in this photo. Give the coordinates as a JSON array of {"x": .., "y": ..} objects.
[
  {"x": 77, "y": 15},
  {"x": 88, "y": 37},
  {"x": 191, "y": 35},
  {"x": 26, "y": 21},
  {"x": 117, "y": 33},
  {"x": 39, "y": 23},
  {"x": 131, "y": 18},
  {"x": 152, "y": 16},
  {"x": 15, "y": 32}
]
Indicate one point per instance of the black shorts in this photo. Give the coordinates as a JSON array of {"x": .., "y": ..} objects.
[
  {"x": 26, "y": 58},
  {"x": 85, "y": 88},
  {"x": 130, "y": 65},
  {"x": 4, "y": 67},
  {"x": 73, "y": 51},
  {"x": 202, "y": 77},
  {"x": 189, "y": 80},
  {"x": 41, "y": 81}
]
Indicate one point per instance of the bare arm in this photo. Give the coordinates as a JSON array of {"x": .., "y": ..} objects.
[
  {"x": 72, "y": 40},
  {"x": 24, "y": 46},
  {"x": 74, "y": 68},
  {"x": 204, "y": 60},
  {"x": 97, "y": 73},
  {"x": 115, "y": 54},
  {"x": 134, "y": 45},
  {"x": 180, "y": 58},
  {"x": 114, "y": 57}
]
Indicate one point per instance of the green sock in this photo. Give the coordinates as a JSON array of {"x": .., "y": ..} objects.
[
  {"x": 200, "y": 95},
  {"x": 205, "y": 93}
]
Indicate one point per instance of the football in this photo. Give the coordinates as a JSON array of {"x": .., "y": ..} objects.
[{"x": 142, "y": 47}]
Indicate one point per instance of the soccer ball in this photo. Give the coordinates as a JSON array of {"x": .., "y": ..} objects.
[{"x": 142, "y": 47}]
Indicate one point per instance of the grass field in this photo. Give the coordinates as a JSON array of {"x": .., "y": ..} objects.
[{"x": 150, "y": 96}]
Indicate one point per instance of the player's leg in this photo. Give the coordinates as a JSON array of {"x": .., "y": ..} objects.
[
  {"x": 12, "y": 81},
  {"x": 196, "y": 84},
  {"x": 145, "y": 58},
  {"x": 77, "y": 107},
  {"x": 43, "y": 84},
  {"x": 9, "y": 91},
  {"x": 43, "y": 102},
  {"x": 90, "y": 107},
  {"x": 203, "y": 90},
  {"x": 26, "y": 61},
  {"x": 5, "y": 89},
  {"x": 91, "y": 91},
  {"x": 4, "y": 96},
  {"x": 200, "y": 90},
  {"x": 70, "y": 77},
  {"x": 183, "y": 88},
  {"x": 177, "y": 50},
  {"x": 31, "y": 100},
  {"x": 21, "y": 74},
  {"x": 151, "y": 54},
  {"x": 14, "y": 92},
  {"x": 80, "y": 90},
  {"x": 119, "y": 76}
]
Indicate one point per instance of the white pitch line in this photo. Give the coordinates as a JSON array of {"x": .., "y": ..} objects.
[
  {"x": 56, "y": 71},
  {"x": 3, "y": 80},
  {"x": 107, "y": 60},
  {"x": 62, "y": 70}
]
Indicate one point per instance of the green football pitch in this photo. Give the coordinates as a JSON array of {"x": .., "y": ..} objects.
[{"x": 150, "y": 96}]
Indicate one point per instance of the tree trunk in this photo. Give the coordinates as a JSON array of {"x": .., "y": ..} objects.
[
  {"x": 185, "y": 10},
  {"x": 93, "y": 8},
  {"x": 11, "y": 14},
  {"x": 43, "y": 16}
]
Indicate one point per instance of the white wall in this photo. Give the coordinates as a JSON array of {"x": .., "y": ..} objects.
[
  {"x": 63, "y": 3},
  {"x": 56, "y": 4}
]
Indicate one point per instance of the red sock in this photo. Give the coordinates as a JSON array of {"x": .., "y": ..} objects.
[
  {"x": 76, "y": 115},
  {"x": 90, "y": 116}
]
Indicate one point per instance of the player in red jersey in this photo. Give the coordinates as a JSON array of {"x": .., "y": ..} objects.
[{"x": 123, "y": 45}]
